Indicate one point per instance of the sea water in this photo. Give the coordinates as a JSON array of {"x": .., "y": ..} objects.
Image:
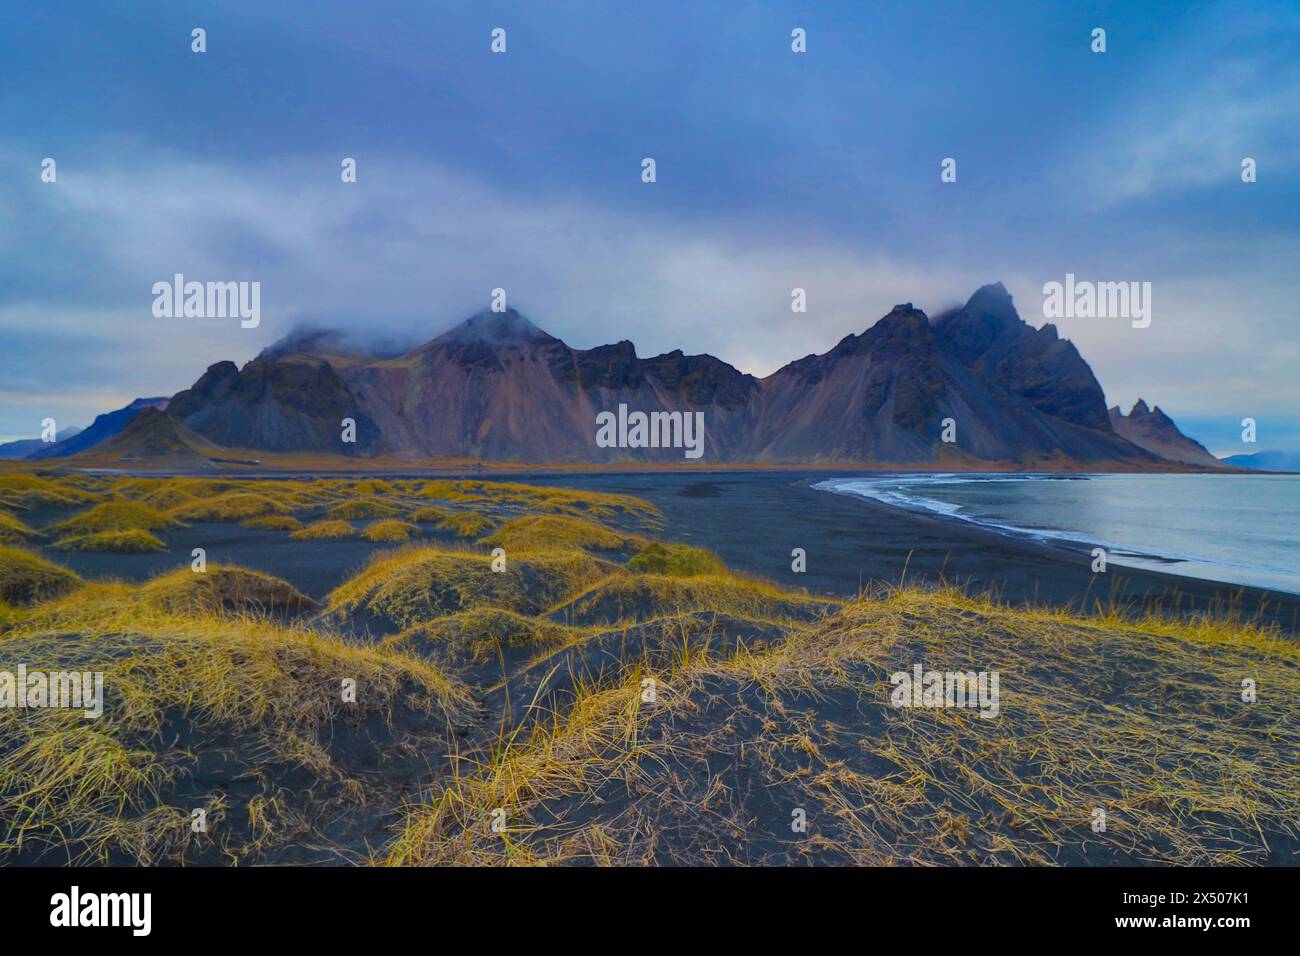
[{"x": 1238, "y": 529}]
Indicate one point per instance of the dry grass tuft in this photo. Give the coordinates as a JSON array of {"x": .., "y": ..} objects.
[
  {"x": 134, "y": 541},
  {"x": 13, "y": 531},
  {"x": 559, "y": 531},
  {"x": 431, "y": 513},
  {"x": 543, "y": 499},
  {"x": 1142, "y": 718},
  {"x": 114, "y": 515},
  {"x": 230, "y": 507},
  {"x": 643, "y": 596},
  {"x": 262, "y": 700},
  {"x": 390, "y": 530},
  {"x": 324, "y": 529},
  {"x": 26, "y": 578},
  {"x": 416, "y": 584},
  {"x": 359, "y": 508},
  {"x": 23, "y": 491},
  {"x": 466, "y": 524},
  {"x": 481, "y": 633},
  {"x": 676, "y": 560},
  {"x": 224, "y": 590}
]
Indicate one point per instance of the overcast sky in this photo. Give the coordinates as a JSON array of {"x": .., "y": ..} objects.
[{"x": 522, "y": 170}]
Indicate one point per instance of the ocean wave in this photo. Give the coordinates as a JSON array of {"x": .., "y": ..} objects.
[{"x": 907, "y": 492}]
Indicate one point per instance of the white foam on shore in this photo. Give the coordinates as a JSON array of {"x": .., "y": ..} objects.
[{"x": 906, "y": 492}]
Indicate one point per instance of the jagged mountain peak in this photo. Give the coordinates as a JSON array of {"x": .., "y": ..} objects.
[
  {"x": 317, "y": 341},
  {"x": 989, "y": 314},
  {"x": 623, "y": 348},
  {"x": 902, "y": 315},
  {"x": 992, "y": 298},
  {"x": 306, "y": 339},
  {"x": 508, "y": 329},
  {"x": 1153, "y": 430},
  {"x": 902, "y": 324}
]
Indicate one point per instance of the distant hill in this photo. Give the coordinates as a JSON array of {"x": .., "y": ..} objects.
[
  {"x": 1155, "y": 431},
  {"x": 25, "y": 447},
  {"x": 153, "y": 434},
  {"x": 498, "y": 388},
  {"x": 103, "y": 427},
  {"x": 1266, "y": 461}
]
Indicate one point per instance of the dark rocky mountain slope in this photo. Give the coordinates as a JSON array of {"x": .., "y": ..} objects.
[
  {"x": 498, "y": 388},
  {"x": 1156, "y": 432}
]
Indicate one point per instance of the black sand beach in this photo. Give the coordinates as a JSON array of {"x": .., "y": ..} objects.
[
  {"x": 753, "y": 521},
  {"x": 615, "y": 685}
]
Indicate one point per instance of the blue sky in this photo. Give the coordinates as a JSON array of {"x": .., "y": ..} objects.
[{"x": 775, "y": 170}]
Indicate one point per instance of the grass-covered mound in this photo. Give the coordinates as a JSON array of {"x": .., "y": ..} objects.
[
  {"x": 167, "y": 498},
  {"x": 640, "y": 597},
  {"x": 327, "y": 528},
  {"x": 12, "y": 529},
  {"x": 431, "y": 513},
  {"x": 144, "y": 488},
  {"x": 224, "y": 590},
  {"x": 541, "y": 681},
  {"x": 27, "y": 577},
  {"x": 359, "y": 508},
  {"x": 230, "y": 507},
  {"x": 134, "y": 541},
  {"x": 417, "y": 584},
  {"x": 542, "y": 499},
  {"x": 390, "y": 530},
  {"x": 25, "y": 491},
  {"x": 465, "y": 524},
  {"x": 285, "y": 496},
  {"x": 678, "y": 560},
  {"x": 242, "y": 718},
  {"x": 114, "y": 515},
  {"x": 559, "y": 531},
  {"x": 480, "y": 633},
  {"x": 377, "y": 486},
  {"x": 1143, "y": 720}
]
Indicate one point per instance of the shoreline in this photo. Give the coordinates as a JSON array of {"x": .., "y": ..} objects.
[
  {"x": 1072, "y": 543},
  {"x": 753, "y": 522},
  {"x": 1156, "y": 586}
]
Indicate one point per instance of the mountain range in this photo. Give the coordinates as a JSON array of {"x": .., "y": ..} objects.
[
  {"x": 1155, "y": 431},
  {"x": 27, "y": 447},
  {"x": 1266, "y": 461},
  {"x": 975, "y": 385},
  {"x": 104, "y": 426}
]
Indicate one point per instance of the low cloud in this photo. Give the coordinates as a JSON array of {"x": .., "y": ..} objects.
[
  {"x": 410, "y": 249},
  {"x": 405, "y": 253}
]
